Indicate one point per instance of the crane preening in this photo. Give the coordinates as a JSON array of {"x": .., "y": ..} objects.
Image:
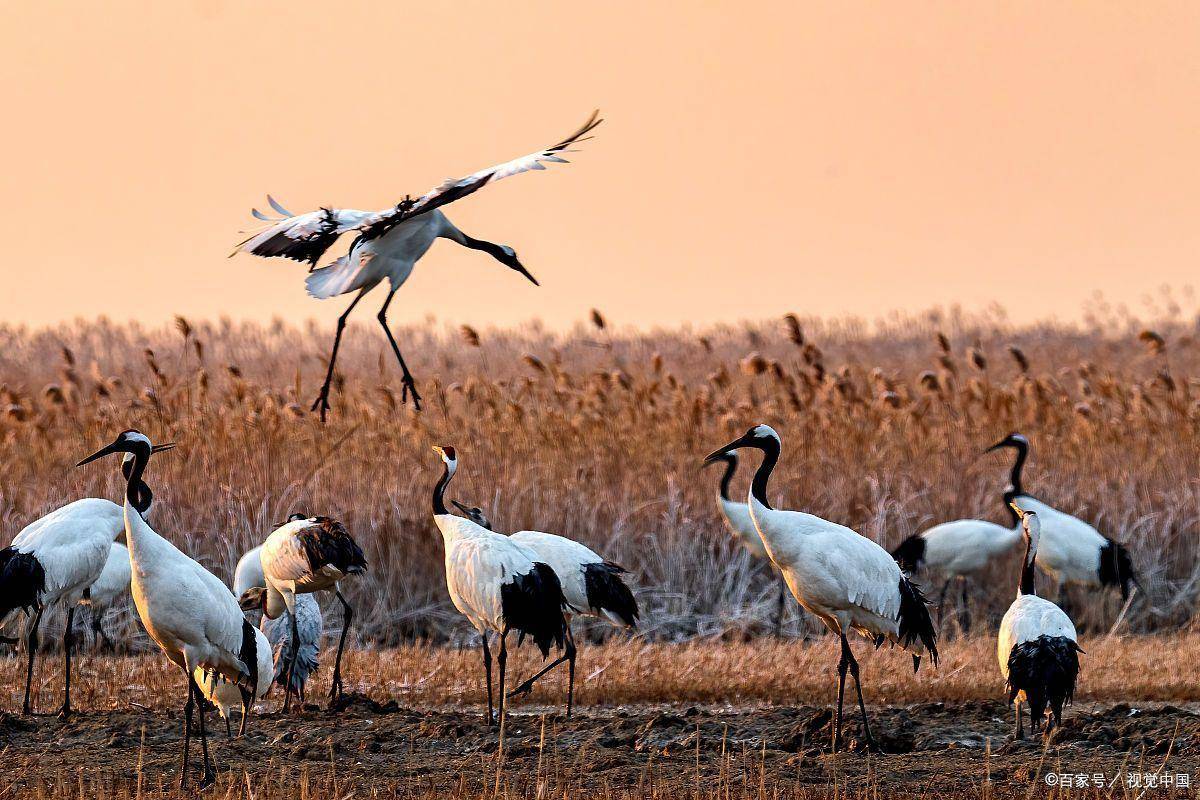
[
  {"x": 388, "y": 243},
  {"x": 302, "y": 556},
  {"x": 1037, "y": 645},
  {"x": 496, "y": 585},
  {"x": 188, "y": 612},
  {"x": 845, "y": 579},
  {"x": 57, "y": 559}
]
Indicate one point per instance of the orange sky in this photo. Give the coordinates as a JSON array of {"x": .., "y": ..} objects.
[{"x": 758, "y": 158}]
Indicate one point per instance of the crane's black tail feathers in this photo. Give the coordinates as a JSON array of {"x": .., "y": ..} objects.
[
  {"x": 606, "y": 591},
  {"x": 1045, "y": 669},
  {"x": 249, "y": 658},
  {"x": 915, "y": 622},
  {"x": 22, "y": 580},
  {"x": 910, "y": 554},
  {"x": 532, "y": 604},
  {"x": 1116, "y": 568}
]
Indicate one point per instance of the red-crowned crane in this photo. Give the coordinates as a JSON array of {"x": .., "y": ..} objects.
[
  {"x": 388, "y": 244},
  {"x": 592, "y": 586},
  {"x": 55, "y": 560},
  {"x": 302, "y": 556},
  {"x": 1037, "y": 646},
  {"x": 188, "y": 612},
  {"x": 496, "y": 584},
  {"x": 1071, "y": 550},
  {"x": 848, "y": 581}
]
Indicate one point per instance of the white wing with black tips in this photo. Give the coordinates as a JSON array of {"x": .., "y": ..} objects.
[
  {"x": 304, "y": 237},
  {"x": 453, "y": 189}
]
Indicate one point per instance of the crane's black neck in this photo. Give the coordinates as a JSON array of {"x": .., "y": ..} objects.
[
  {"x": 770, "y": 449},
  {"x": 494, "y": 250},
  {"x": 1027, "y": 586},
  {"x": 137, "y": 493},
  {"x": 140, "y": 496},
  {"x": 731, "y": 464},
  {"x": 1015, "y": 489},
  {"x": 439, "y": 492}
]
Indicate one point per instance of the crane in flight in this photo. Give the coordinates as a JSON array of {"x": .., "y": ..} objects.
[{"x": 388, "y": 244}]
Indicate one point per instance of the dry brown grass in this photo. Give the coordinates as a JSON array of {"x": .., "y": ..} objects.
[
  {"x": 598, "y": 433},
  {"x": 1133, "y": 668}
]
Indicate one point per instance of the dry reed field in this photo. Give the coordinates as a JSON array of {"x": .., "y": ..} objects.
[{"x": 598, "y": 433}]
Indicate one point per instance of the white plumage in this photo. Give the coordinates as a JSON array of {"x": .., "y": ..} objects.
[
  {"x": 388, "y": 244},
  {"x": 188, "y": 612},
  {"x": 227, "y": 696},
  {"x": 302, "y": 556},
  {"x": 1037, "y": 646},
  {"x": 496, "y": 583},
  {"x": 55, "y": 560},
  {"x": 248, "y": 573},
  {"x": 1071, "y": 550},
  {"x": 109, "y": 588},
  {"x": 846, "y": 580}
]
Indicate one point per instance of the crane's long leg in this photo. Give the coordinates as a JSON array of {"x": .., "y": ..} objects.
[
  {"x": 1020, "y": 732},
  {"x": 501, "y": 661},
  {"x": 487, "y": 668},
  {"x": 779, "y": 610},
  {"x": 407, "y": 379},
  {"x": 31, "y": 644},
  {"x": 247, "y": 703},
  {"x": 965, "y": 625},
  {"x": 322, "y": 402},
  {"x": 941, "y": 606},
  {"x": 68, "y": 642},
  {"x": 335, "y": 690},
  {"x": 862, "y": 706},
  {"x": 209, "y": 774},
  {"x": 291, "y": 671},
  {"x": 228, "y": 730},
  {"x": 568, "y": 656},
  {"x": 843, "y": 665},
  {"x": 98, "y": 629},
  {"x": 188, "y": 708}
]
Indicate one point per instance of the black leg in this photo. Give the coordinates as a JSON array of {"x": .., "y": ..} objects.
[
  {"x": 862, "y": 706},
  {"x": 527, "y": 686},
  {"x": 68, "y": 642},
  {"x": 570, "y": 672},
  {"x": 1020, "y": 732},
  {"x": 291, "y": 670},
  {"x": 843, "y": 665},
  {"x": 779, "y": 609},
  {"x": 501, "y": 661},
  {"x": 322, "y": 402},
  {"x": 487, "y": 668},
  {"x": 942, "y": 605},
  {"x": 228, "y": 729},
  {"x": 98, "y": 629},
  {"x": 335, "y": 690},
  {"x": 188, "y": 708},
  {"x": 965, "y": 625},
  {"x": 31, "y": 643},
  {"x": 209, "y": 774},
  {"x": 407, "y": 379}
]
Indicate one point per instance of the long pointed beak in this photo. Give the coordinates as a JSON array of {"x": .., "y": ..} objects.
[
  {"x": 997, "y": 446},
  {"x": 104, "y": 451},
  {"x": 719, "y": 453},
  {"x": 519, "y": 267},
  {"x": 460, "y": 506},
  {"x": 158, "y": 448}
]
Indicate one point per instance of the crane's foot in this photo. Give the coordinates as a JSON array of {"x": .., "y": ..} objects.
[
  {"x": 524, "y": 689},
  {"x": 321, "y": 404},
  {"x": 409, "y": 386},
  {"x": 65, "y": 712},
  {"x": 207, "y": 779}
]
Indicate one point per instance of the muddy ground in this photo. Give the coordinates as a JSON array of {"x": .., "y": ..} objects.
[{"x": 371, "y": 745}]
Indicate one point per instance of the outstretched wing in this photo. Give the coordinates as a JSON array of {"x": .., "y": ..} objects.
[
  {"x": 301, "y": 237},
  {"x": 456, "y": 188}
]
